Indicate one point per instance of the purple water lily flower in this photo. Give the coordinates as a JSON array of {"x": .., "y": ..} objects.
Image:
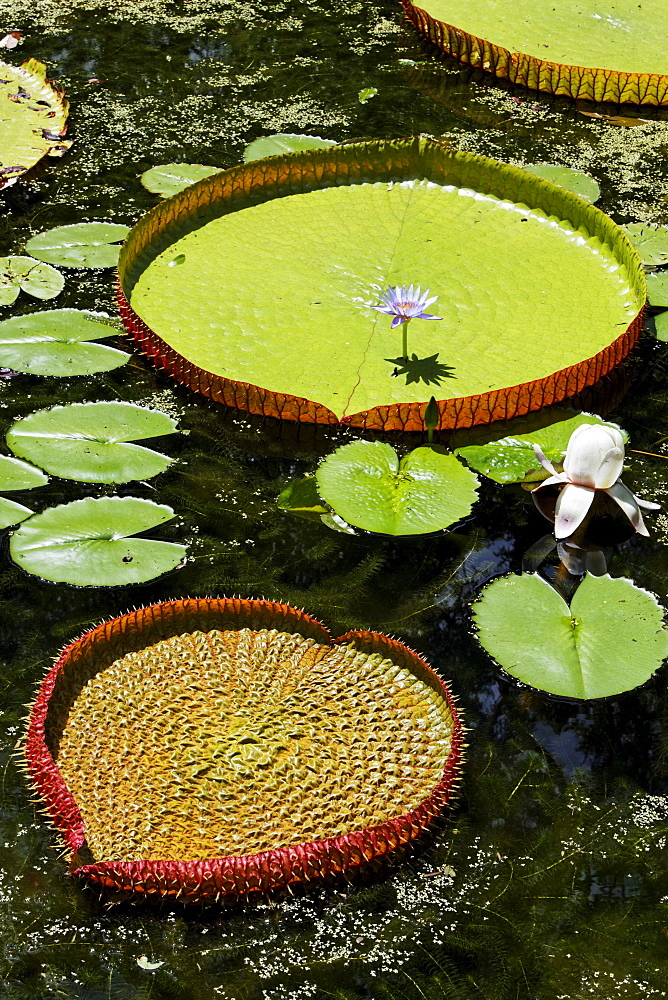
[
  {"x": 405, "y": 304},
  {"x": 594, "y": 460}
]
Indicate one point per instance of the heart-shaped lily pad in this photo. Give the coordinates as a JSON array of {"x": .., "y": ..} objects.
[
  {"x": 610, "y": 640},
  {"x": 576, "y": 181},
  {"x": 170, "y": 178},
  {"x": 30, "y": 276},
  {"x": 369, "y": 486},
  {"x": 592, "y": 50},
  {"x": 283, "y": 142},
  {"x": 58, "y": 343},
  {"x": 86, "y": 244},
  {"x": 86, "y": 543},
  {"x": 89, "y": 441},
  {"x": 273, "y": 306},
  {"x": 650, "y": 241},
  {"x": 512, "y": 459},
  {"x": 33, "y": 114}
]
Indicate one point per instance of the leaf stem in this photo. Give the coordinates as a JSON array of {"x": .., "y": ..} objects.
[{"x": 404, "y": 350}]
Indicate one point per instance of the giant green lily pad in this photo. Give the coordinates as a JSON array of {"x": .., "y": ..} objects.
[
  {"x": 25, "y": 274},
  {"x": 86, "y": 543},
  {"x": 513, "y": 460},
  {"x": 369, "y": 486},
  {"x": 282, "y": 262},
  {"x": 594, "y": 51},
  {"x": 610, "y": 640},
  {"x": 33, "y": 116},
  {"x": 89, "y": 441},
  {"x": 86, "y": 244},
  {"x": 58, "y": 343}
]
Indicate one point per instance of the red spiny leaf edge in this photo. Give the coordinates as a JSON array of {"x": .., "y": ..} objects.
[{"x": 230, "y": 877}]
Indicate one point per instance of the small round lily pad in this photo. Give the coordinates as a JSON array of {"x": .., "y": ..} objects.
[
  {"x": 610, "y": 640},
  {"x": 57, "y": 342},
  {"x": 86, "y": 244},
  {"x": 89, "y": 442},
  {"x": 650, "y": 241},
  {"x": 576, "y": 181},
  {"x": 25, "y": 274},
  {"x": 371, "y": 487},
  {"x": 283, "y": 142},
  {"x": 170, "y": 178},
  {"x": 87, "y": 543}
]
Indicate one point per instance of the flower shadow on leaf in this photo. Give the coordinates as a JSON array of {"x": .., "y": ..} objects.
[{"x": 428, "y": 370}]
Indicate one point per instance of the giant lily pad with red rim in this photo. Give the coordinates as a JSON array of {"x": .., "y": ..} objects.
[
  {"x": 258, "y": 287},
  {"x": 274, "y": 754},
  {"x": 591, "y": 51}
]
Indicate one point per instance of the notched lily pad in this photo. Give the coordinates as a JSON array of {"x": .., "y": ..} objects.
[
  {"x": 87, "y": 244},
  {"x": 170, "y": 178},
  {"x": 369, "y": 486},
  {"x": 86, "y": 543},
  {"x": 650, "y": 241},
  {"x": 610, "y": 640},
  {"x": 283, "y": 142},
  {"x": 89, "y": 441},
  {"x": 512, "y": 459},
  {"x": 25, "y": 274},
  {"x": 576, "y": 181},
  {"x": 57, "y": 342}
]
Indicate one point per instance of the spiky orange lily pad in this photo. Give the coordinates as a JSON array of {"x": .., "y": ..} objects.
[
  {"x": 593, "y": 51},
  {"x": 259, "y": 287},
  {"x": 212, "y": 749}
]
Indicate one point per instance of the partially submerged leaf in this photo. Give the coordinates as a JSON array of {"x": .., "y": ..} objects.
[
  {"x": 12, "y": 513},
  {"x": 33, "y": 116},
  {"x": 283, "y": 142},
  {"x": 576, "y": 181},
  {"x": 86, "y": 244},
  {"x": 58, "y": 343},
  {"x": 657, "y": 288},
  {"x": 17, "y": 475},
  {"x": 650, "y": 241},
  {"x": 513, "y": 460},
  {"x": 87, "y": 543},
  {"x": 301, "y": 497},
  {"x": 26, "y": 274},
  {"x": 366, "y": 94},
  {"x": 369, "y": 486},
  {"x": 89, "y": 441},
  {"x": 170, "y": 178},
  {"x": 610, "y": 640}
]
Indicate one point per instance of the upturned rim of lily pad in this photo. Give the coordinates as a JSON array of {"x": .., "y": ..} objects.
[
  {"x": 596, "y": 84},
  {"x": 394, "y": 160},
  {"x": 231, "y": 877}
]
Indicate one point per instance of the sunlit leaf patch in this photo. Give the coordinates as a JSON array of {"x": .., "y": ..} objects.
[
  {"x": 88, "y": 543},
  {"x": 57, "y": 342},
  {"x": 12, "y": 512},
  {"x": 90, "y": 442},
  {"x": 17, "y": 475},
  {"x": 369, "y": 486},
  {"x": 657, "y": 288},
  {"x": 170, "y": 178},
  {"x": 86, "y": 244},
  {"x": 611, "y": 638},
  {"x": 25, "y": 274}
]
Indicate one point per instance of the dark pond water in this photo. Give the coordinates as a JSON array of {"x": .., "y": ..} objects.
[{"x": 549, "y": 879}]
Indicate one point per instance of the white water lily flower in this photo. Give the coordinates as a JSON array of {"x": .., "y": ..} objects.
[{"x": 594, "y": 461}]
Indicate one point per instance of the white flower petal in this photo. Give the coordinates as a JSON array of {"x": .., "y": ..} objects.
[
  {"x": 573, "y": 506},
  {"x": 595, "y": 456},
  {"x": 540, "y": 455},
  {"x": 628, "y": 503}
]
